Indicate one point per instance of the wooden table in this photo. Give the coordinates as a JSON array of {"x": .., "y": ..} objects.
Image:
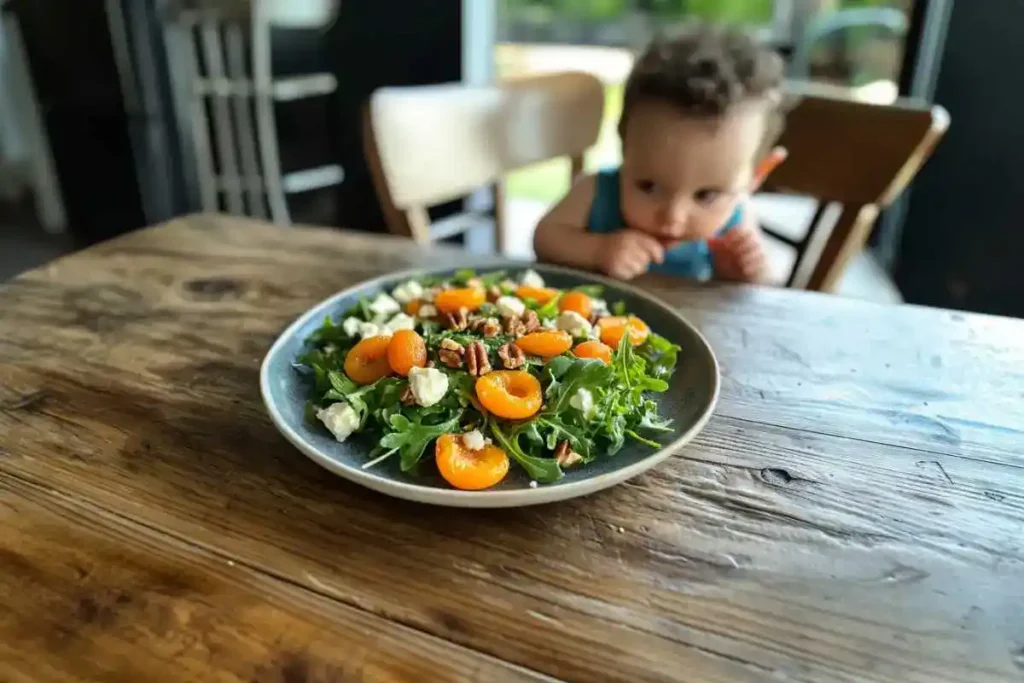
[{"x": 853, "y": 512}]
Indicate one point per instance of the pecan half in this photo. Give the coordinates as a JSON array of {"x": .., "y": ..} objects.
[
  {"x": 566, "y": 456},
  {"x": 513, "y": 325},
  {"x": 511, "y": 356},
  {"x": 477, "y": 363},
  {"x": 451, "y": 353},
  {"x": 530, "y": 321},
  {"x": 457, "y": 321},
  {"x": 408, "y": 398},
  {"x": 494, "y": 293},
  {"x": 488, "y": 327}
]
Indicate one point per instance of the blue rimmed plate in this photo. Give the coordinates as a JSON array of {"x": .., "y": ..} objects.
[{"x": 689, "y": 402}]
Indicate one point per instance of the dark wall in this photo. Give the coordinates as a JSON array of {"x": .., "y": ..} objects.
[
  {"x": 963, "y": 243},
  {"x": 374, "y": 43}
]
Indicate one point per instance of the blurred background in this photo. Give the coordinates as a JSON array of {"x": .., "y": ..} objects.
[{"x": 99, "y": 127}]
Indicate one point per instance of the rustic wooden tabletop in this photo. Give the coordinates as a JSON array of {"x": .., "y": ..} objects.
[{"x": 853, "y": 512}]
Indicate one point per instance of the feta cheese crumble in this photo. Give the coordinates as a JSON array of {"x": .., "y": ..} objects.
[
  {"x": 531, "y": 278},
  {"x": 401, "y": 322},
  {"x": 474, "y": 440},
  {"x": 340, "y": 419},
  {"x": 384, "y": 305},
  {"x": 351, "y": 326},
  {"x": 574, "y": 323},
  {"x": 367, "y": 330},
  {"x": 583, "y": 401},
  {"x": 429, "y": 385},
  {"x": 407, "y": 291},
  {"x": 510, "y": 306}
]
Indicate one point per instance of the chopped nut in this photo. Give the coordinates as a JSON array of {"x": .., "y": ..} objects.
[
  {"x": 565, "y": 456},
  {"x": 457, "y": 321},
  {"x": 477, "y": 363},
  {"x": 511, "y": 356},
  {"x": 451, "y": 352},
  {"x": 408, "y": 398},
  {"x": 494, "y": 293},
  {"x": 531, "y": 321},
  {"x": 489, "y": 327},
  {"x": 513, "y": 325}
]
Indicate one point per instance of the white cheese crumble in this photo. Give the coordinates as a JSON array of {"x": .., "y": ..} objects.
[
  {"x": 340, "y": 420},
  {"x": 583, "y": 401},
  {"x": 531, "y": 278},
  {"x": 430, "y": 293},
  {"x": 427, "y": 311},
  {"x": 367, "y": 330},
  {"x": 384, "y": 305},
  {"x": 510, "y": 306},
  {"x": 351, "y": 326},
  {"x": 533, "y": 484},
  {"x": 574, "y": 323},
  {"x": 474, "y": 440},
  {"x": 401, "y": 322},
  {"x": 600, "y": 306},
  {"x": 407, "y": 291},
  {"x": 429, "y": 385}
]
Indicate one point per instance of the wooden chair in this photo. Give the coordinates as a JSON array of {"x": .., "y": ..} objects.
[
  {"x": 853, "y": 154},
  {"x": 225, "y": 95},
  {"x": 426, "y": 145}
]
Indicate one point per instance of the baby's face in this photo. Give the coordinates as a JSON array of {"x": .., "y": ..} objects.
[{"x": 682, "y": 177}]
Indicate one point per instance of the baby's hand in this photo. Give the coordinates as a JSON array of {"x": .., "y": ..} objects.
[
  {"x": 740, "y": 255},
  {"x": 629, "y": 253}
]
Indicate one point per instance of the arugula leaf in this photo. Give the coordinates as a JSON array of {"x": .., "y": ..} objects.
[
  {"x": 619, "y": 308},
  {"x": 410, "y": 439},
  {"x": 590, "y": 290},
  {"x": 661, "y": 355},
  {"x": 543, "y": 470},
  {"x": 550, "y": 309},
  {"x": 463, "y": 276},
  {"x": 493, "y": 278}
]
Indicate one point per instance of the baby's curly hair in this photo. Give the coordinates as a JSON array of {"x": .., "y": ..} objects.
[{"x": 704, "y": 72}]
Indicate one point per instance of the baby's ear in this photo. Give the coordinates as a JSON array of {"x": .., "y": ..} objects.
[{"x": 770, "y": 162}]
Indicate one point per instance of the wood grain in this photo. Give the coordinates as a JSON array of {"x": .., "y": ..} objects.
[
  {"x": 806, "y": 535},
  {"x": 91, "y": 596}
]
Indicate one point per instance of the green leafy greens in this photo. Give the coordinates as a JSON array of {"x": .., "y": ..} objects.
[{"x": 591, "y": 407}]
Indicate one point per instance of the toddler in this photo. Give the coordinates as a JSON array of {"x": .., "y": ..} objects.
[{"x": 700, "y": 112}]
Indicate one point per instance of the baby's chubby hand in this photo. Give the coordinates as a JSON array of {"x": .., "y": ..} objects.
[
  {"x": 740, "y": 255},
  {"x": 629, "y": 253}
]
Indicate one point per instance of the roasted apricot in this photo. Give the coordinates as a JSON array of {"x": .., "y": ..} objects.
[
  {"x": 511, "y": 394},
  {"x": 578, "y": 302},
  {"x": 451, "y": 300},
  {"x": 613, "y": 327},
  {"x": 546, "y": 343},
  {"x": 413, "y": 307},
  {"x": 541, "y": 295},
  {"x": 467, "y": 469},
  {"x": 594, "y": 349},
  {"x": 406, "y": 351},
  {"x": 367, "y": 362}
]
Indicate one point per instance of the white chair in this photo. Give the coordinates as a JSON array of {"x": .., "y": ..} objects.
[{"x": 227, "y": 92}]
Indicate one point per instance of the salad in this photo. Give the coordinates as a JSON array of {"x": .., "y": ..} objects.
[{"x": 479, "y": 371}]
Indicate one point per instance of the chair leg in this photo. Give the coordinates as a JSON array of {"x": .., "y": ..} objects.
[
  {"x": 847, "y": 239},
  {"x": 251, "y": 180},
  {"x": 801, "y": 246},
  {"x": 266, "y": 124}
]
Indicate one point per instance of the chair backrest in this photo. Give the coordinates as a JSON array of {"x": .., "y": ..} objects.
[
  {"x": 855, "y": 154},
  {"x": 426, "y": 145},
  {"x": 219, "y": 53}
]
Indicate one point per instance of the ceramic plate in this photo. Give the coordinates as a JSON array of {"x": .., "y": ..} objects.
[{"x": 689, "y": 401}]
